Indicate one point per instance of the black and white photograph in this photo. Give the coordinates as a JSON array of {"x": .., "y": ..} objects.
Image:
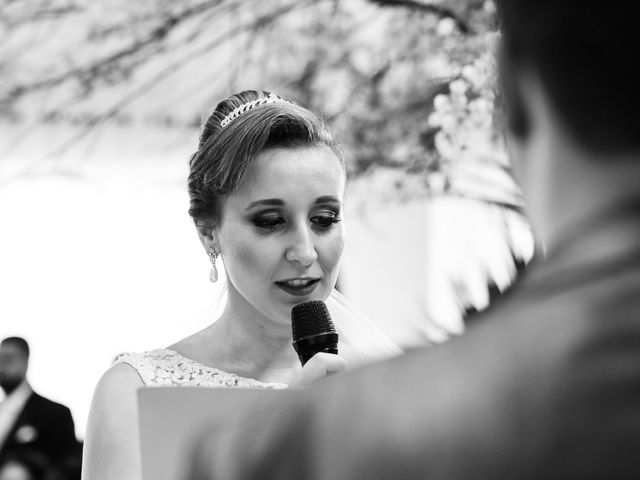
[{"x": 320, "y": 240}]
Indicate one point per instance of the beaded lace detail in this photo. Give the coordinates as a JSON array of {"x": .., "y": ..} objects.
[{"x": 167, "y": 368}]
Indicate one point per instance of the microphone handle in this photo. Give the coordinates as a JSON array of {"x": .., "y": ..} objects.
[{"x": 307, "y": 347}]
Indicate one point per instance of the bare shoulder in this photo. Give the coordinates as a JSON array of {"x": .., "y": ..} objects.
[
  {"x": 111, "y": 444},
  {"x": 116, "y": 387},
  {"x": 120, "y": 377}
]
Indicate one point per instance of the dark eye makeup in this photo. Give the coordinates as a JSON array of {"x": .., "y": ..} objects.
[
  {"x": 271, "y": 220},
  {"x": 326, "y": 219},
  {"x": 267, "y": 220}
]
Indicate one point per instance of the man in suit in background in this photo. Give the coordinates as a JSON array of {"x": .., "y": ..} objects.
[
  {"x": 31, "y": 425},
  {"x": 547, "y": 383}
]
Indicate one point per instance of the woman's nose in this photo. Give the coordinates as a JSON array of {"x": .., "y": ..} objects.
[{"x": 302, "y": 248}]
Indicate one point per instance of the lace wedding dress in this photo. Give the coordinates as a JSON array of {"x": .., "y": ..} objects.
[{"x": 167, "y": 368}]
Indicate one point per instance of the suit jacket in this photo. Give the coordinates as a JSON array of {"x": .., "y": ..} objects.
[
  {"x": 45, "y": 427},
  {"x": 544, "y": 385}
]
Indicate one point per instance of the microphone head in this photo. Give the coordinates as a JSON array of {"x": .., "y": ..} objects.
[
  {"x": 310, "y": 318},
  {"x": 313, "y": 330}
]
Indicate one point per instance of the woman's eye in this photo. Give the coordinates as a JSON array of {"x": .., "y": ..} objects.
[
  {"x": 268, "y": 222},
  {"x": 325, "y": 220}
]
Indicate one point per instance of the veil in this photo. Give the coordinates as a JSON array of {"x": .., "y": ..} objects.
[{"x": 361, "y": 341}]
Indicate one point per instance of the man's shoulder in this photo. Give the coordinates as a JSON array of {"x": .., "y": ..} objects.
[
  {"x": 547, "y": 293},
  {"x": 38, "y": 401}
]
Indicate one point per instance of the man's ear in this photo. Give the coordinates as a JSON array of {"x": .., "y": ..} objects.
[{"x": 207, "y": 235}]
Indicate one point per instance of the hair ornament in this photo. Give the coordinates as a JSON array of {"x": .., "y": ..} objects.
[{"x": 245, "y": 107}]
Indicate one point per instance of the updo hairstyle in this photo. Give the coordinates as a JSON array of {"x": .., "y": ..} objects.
[{"x": 225, "y": 154}]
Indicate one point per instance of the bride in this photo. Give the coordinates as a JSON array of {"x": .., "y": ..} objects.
[{"x": 266, "y": 193}]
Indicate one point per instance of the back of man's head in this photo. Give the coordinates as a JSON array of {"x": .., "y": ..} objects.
[
  {"x": 586, "y": 54},
  {"x": 18, "y": 342}
]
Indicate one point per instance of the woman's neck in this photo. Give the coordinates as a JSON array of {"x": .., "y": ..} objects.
[
  {"x": 245, "y": 342},
  {"x": 250, "y": 336}
]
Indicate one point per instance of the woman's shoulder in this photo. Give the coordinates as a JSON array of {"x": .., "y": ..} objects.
[
  {"x": 168, "y": 367},
  {"x": 161, "y": 366},
  {"x": 158, "y": 356},
  {"x": 120, "y": 377},
  {"x": 110, "y": 442}
]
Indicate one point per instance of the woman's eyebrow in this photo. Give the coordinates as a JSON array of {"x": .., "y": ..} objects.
[
  {"x": 327, "y": 199},
  {"x": 267, "y": 201}
]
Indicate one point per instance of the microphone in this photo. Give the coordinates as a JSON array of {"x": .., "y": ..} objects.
[{"x": 313, "y": 330}]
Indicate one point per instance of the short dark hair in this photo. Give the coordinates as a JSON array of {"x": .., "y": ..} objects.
[
  {"x": 225, "y": 154},
  {"x": 587, "y": 56},
  {"x": 19, "y": 342}
]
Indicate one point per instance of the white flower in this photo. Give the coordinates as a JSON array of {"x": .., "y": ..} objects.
[
  {"x": 445, "y": 27},
  {"x": 441, "y": 102},
  {"x": 458, "y": 87},
  {"x": 474, "y": 75},
  {"x": 448, "y": 121}
]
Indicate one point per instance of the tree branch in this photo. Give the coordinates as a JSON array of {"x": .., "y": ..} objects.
[
  {"x": 171, "y": 69},
  {"x": 88, "y": 73},
  {"x": 41, "y": 15},
  {"x": 438, "y": 10}
]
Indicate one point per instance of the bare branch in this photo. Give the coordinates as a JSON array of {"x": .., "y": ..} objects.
[
  {"x": 142, "y": 48},
  {"x": 171, "y": 69},
  {"x": 41, "y": 15},
  {"x": 438, "y": 10}
]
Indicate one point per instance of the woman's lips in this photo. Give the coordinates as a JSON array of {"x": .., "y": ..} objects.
[{"x": 298, "y": 287}]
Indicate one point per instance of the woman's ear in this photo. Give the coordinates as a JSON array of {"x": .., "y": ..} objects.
[{"x": 207, "y": 234}]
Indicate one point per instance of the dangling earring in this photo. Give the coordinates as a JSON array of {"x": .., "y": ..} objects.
[{"x": 213, "y": 275}]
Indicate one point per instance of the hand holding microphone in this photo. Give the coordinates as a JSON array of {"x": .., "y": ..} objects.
[{"x": 316, "y": 341}]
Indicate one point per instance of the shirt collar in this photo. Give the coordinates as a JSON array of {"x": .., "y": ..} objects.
[{"x": 21, "y": 393}]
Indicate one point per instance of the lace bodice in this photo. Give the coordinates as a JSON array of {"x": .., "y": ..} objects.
[{"x": 165, "y": 368}]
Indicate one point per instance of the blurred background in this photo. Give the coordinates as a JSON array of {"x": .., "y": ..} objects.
[{"x": 100, "y": 106}]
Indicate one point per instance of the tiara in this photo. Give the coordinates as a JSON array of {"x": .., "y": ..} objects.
[{"x": 245, "y": 107}]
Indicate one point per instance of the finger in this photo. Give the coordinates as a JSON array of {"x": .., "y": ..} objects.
[
  {"x": 317, "y": 368},
  {"x": 323, "y": 364},
  {"x": 332, "y": 363}
]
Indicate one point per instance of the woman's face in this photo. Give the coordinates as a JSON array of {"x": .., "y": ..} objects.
[{"x": 281, "y": 235}]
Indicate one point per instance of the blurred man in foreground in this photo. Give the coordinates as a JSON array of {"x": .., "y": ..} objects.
[
  {"x": 547, "y": 384},
  {"x": 32, "y": 427}
]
